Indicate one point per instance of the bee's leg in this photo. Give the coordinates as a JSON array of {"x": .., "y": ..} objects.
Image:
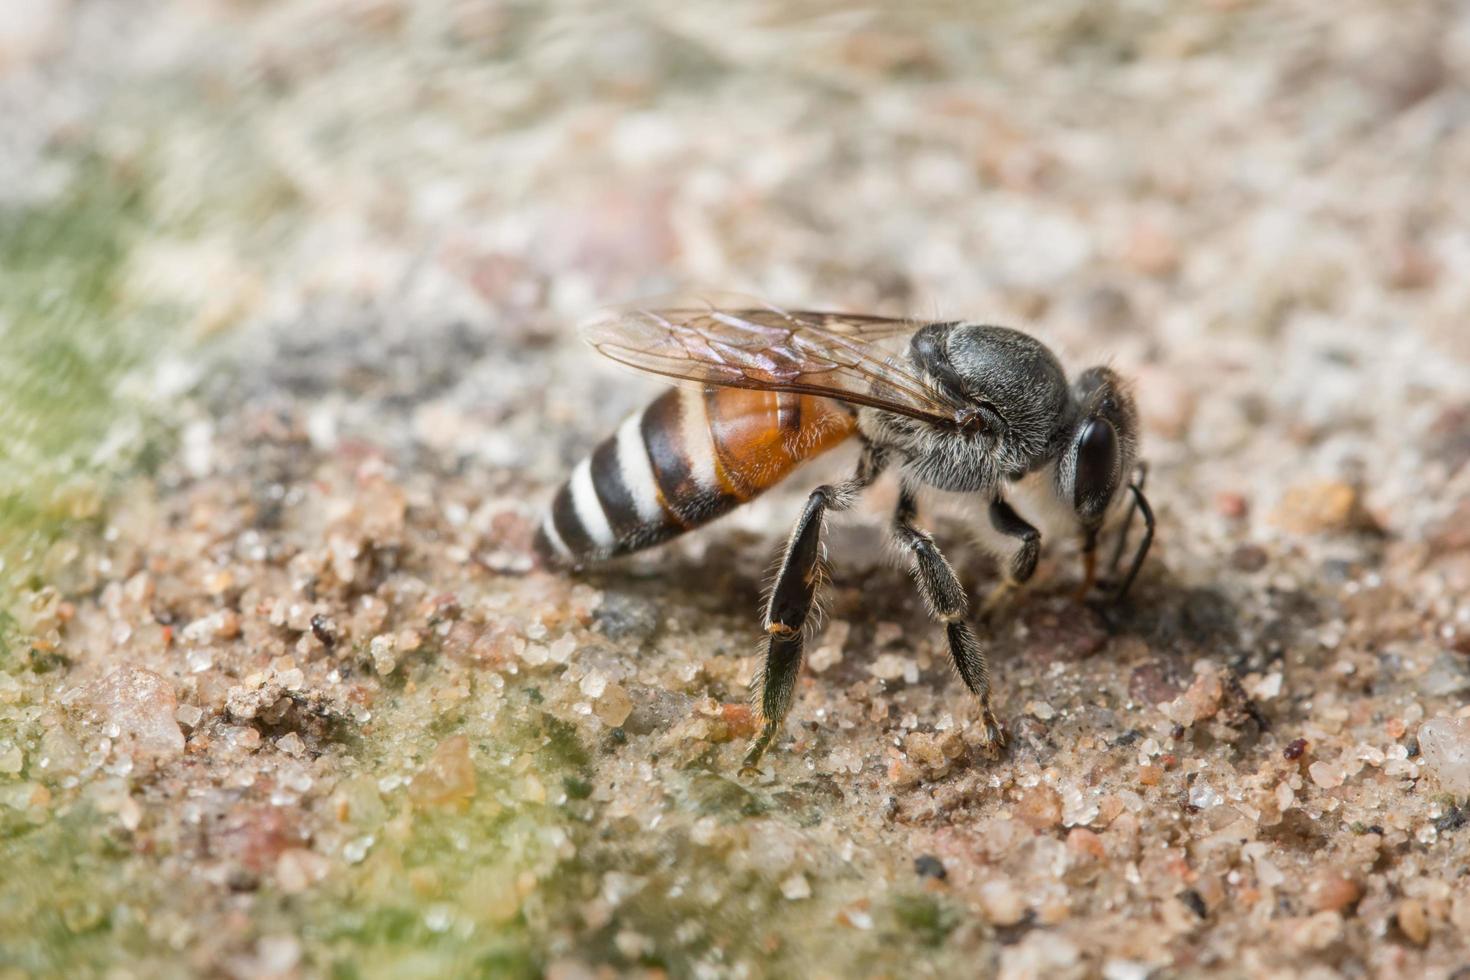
[
  {"x": 788, "y": 612},
  {"x": 1140, "y": 477},
  {"x": 948, "y": 603},
  {"x": 1143, "y": 545},
  {"x": 1089, "y": 565},
  {"x": 1023, "y": 563}
]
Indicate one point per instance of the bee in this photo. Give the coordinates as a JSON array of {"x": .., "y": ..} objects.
[{"x": 960, "y": 407}]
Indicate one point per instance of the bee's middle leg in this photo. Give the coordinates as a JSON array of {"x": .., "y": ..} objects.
[
  {"x": 1023, "y": 563},
  {"x": 948, "y": 603},
  {"x": 793, "y": 596}
]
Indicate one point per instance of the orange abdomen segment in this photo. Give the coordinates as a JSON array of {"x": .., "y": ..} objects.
[
  {"x": 689, "y": 457},
  {"x": 761, "y": 436}
]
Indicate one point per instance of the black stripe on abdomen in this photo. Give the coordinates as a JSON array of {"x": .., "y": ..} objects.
[
  {"x": 666, "y": 436},
  {"x": 568, "y": 525},
  {"x": 613, "y": 493}
]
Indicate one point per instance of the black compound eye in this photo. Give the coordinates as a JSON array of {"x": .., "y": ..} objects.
[{"x": 1097, "y": 462}]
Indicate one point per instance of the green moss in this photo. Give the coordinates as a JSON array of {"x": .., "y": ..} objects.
[
  {"x": 717, "y": 796},
  {"x": 68, "y": 904},
  {"x": 68, "y": 341},
  {"x": 923, "y": 918},
  {"x": 561, "y": 744}
]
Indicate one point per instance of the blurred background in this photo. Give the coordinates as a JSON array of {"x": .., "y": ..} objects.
[{"x": 287, "y": 295}]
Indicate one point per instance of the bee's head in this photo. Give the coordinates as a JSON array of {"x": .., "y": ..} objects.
[{"x": 1100, "y": 448}]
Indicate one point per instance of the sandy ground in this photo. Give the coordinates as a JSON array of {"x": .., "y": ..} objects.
[{"x": 292, "y": 699}]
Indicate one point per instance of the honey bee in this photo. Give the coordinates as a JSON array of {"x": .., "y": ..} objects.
[{"x": 959, "y": 407}]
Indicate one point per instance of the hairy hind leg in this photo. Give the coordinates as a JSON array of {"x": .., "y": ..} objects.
[{"x": 794, "y": 595}]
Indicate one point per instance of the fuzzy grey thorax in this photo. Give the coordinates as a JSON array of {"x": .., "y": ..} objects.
[{"x": 1016, "y": 384}]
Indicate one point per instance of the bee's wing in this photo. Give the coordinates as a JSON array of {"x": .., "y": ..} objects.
[{"x": 828, "y": 354}]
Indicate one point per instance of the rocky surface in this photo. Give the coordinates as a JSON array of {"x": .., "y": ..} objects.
[{"x": 290, "y": 697}]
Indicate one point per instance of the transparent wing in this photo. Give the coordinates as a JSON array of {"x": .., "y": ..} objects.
[{"x": 828, "y": 354}]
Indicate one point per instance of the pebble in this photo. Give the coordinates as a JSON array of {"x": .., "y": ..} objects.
[
  {"x": 1086, "y": 844},
  {"x": 1040, "y": 808},
  {"x": 741, "y": 722},
  {"x": 796, "y": 888},
  {"x": 829, "y": 652},
  {"x": 1445, "y": 744},
  {"x": 1231, "y": 504},
  {"x": 1413, "y": 921},
  {"x": 60, "y": 754},
  {"x": 929, "y": 866},
  {"x": 355, "y": 850},
  {"x": 1001, "y": 903},
  {"x": 141, "y": 706},
  {"x": 448, "y": 778},
  {"x": 1447, "y": 676},
  {"x": 384, "y": 651},
  {"x": 297, "y": 869},
  {"x": 893, "y": 666},
  {"x": 934, "y": 752},
  {"x": 1201, "y": 700},
  {"x": 1328, "y": 775},
  {"x": 1332, "y": 891},
  {"x": 614, "y": 705},
  {"x": 1321, "y": 508}
]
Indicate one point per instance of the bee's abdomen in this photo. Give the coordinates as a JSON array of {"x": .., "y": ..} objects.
[{"x": 689, "y": 457}]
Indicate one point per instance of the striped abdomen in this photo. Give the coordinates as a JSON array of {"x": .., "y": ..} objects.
[{"x": 689, "y": 457}]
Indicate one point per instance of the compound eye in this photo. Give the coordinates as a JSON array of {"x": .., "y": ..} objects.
[{"x": 1097, "y": 463}]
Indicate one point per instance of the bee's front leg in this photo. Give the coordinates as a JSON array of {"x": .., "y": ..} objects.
[
  {"x": 1138, "y": 504},
  {"x": 1144, "y": 543}
]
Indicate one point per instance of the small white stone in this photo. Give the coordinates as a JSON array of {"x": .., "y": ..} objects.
[
  {"x": 1327, "y": 775},
  {"x": 560, "y": 651},
  {"x": 1445, "y": 743},
  {"x": 594, "y": 683},
  {"x": 889, "y": 667},
  {"x": 1001, "y": 902},
  {"x": 796, "y": 888},
  {"x": 356, "y": 849},
  {"x": 1041, "y": 710},
  {"x": 1203, "y": 795},
  {"x": 11, "y": 758},
  {"x": 384, "y": 651}
]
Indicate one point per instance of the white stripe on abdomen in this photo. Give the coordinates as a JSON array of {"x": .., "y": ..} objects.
[
  {"x": 637, "y": 471},
  {"x": 588, "y": 507}
]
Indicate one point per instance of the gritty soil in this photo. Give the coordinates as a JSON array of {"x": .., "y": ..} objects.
[{"x": 299, "y": 701}]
